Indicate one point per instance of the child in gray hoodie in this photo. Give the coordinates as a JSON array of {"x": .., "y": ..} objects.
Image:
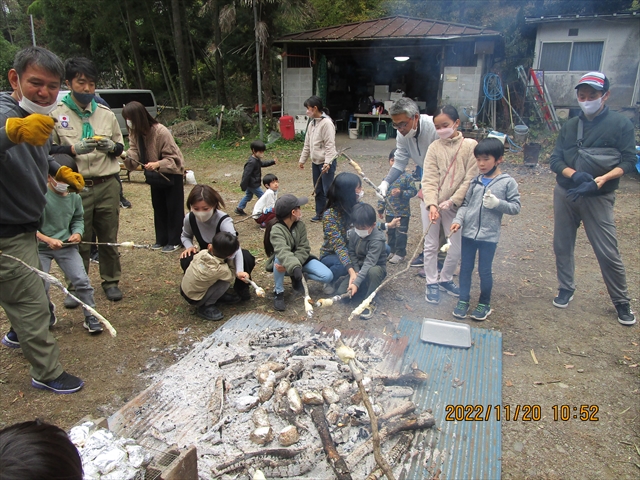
[{"x": 491, "y": 194}]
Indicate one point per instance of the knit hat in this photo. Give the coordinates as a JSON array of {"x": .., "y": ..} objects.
[
  {"x": 288, "y": 202},
  {"x": 596, "y": 80}
]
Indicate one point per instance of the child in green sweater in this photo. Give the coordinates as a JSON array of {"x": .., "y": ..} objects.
[{"x": 63, "y": 223}]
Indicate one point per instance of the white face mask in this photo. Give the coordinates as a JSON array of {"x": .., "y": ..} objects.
[
  {"x": 444, "y": 133},
  {"x": 203, "y": 216},
  {"x": 360, "y": 194},
  {"x": 59, "y": 187},
  {"x": 591, "y": 106},
  {"x": 130, "y": 124},
  {"x": 32, "y": 107},
  {"x": 362, "y": 233},
  {"x": 411, "y": 133}
]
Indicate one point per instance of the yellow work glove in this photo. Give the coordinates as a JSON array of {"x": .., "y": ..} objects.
[
  {"x": 34, "y": 129},
  {"x": 71, "y": 178}
]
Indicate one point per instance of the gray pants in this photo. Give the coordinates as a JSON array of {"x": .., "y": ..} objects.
[
  {"x": 70, "y": 262},
  {"x": 596, "y": 213},
  {"x": 211, "y": 296}
]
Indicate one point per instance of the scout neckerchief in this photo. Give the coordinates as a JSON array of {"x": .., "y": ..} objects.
[{"x": 87, "y": 128}]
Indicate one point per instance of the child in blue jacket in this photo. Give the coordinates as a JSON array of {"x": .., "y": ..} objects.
[{"x": 491, "y": 194}]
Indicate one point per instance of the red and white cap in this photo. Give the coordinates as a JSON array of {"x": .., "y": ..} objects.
[{"x": 596, "y": 80}]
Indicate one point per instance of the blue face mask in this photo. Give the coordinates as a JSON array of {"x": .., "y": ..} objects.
[{"x": 83, "y": 98}]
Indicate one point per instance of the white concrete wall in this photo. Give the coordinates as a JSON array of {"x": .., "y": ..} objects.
[
  {"x": 461, "y": 87},
  {"x": 298, "y": 86},
  {"x": 620, "y": 57}
]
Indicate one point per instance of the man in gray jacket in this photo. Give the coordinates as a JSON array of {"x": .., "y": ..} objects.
[
  {"x": 415, "y": 133},
  {"x": 24, "y": 164}
]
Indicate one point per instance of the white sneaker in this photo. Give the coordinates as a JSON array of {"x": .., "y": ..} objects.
[
  {"x": 328, "y": 289},
  {"x": 396, "y": 259}
]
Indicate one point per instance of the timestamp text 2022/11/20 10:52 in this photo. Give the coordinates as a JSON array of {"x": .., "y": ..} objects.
[{"x": 524, "y": 413}]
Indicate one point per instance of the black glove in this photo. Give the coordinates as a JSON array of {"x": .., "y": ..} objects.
[
  {"x": 587, "y": 188},
  {"x": 579, "y": 178},
  {"x": 297, "y": 274}
]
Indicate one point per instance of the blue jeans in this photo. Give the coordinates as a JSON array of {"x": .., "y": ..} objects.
[
  {"x": 332, "y": 262},
  {"x": 486, "y": 251},
  {"x": 323, "y": 187},
  {"x": 248, "y": 195},
  {"x": 314, "y": 269}
]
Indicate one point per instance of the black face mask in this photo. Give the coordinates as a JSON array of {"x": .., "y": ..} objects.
[
  {"x": 83, "y": 98},
  {"x": 490, "y": 172}
]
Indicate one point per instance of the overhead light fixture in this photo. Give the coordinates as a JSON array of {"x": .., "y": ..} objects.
[{"x": 401, "y": 59}]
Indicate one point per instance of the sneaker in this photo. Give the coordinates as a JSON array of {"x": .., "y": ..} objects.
[
  {"x": 481, "y": 312},
  {"x": 11, "y": 340},
  {"x": 240, "y": 212},
  {"x": 450, "y": 287},
  {"x": 65, "y": 383},
  {"x": 625, "y": 315},
  {"x": 113, "y": 293},
  {"x": 367, "y": 313},
  {"x": 563, "y": 298},
  {"x": 316, "y": 219},
  {"x": 278, "y": 302},
  {"x": 94, "y": 257},
  {"x": 395, "y": 259},
  {"x": 461, "y": 310},
  {"x": 209, "y": 312},
  {"x": 433, "y": 293},
  {"x": 328, "y": 289},
  {"x": 228, "y": 298},
  {"x": 92, "y": 324},
  {"x": 418, "y": 261},
  {"x": 422, "y": 273},
  {"x": 52, "y": 318},
  {"x": 156, "y": 246},
  {"x": 170, "y": 248},
  {"x": 70, "y": 303},
  {"x": 124, "y": 203}
]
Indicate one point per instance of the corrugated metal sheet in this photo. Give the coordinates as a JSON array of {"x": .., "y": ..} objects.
[
  {"x": 459, "y": 449},
  {"x": 398, "y": 27}
]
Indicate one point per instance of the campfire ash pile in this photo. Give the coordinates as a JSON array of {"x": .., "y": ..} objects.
[{"x": 274, "y": 402}]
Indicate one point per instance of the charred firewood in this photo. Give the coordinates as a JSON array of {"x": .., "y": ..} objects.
[
  {"x": 216, "y": 402},
  {"x": 335, "y": 460},
  {"x": 394, "y": 455},
  {"x": 267, "y": 452},
  {"x": 415, "y": 376},
  {"x": 278, "y": 337},
  {"x": 423, "y": 421},
  {"x": 402, "y": 409}
]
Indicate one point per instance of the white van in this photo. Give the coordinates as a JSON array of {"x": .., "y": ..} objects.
[{"x": 117, "y": 99}]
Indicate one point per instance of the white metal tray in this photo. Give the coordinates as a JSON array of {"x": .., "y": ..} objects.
[{"x": 451, "y": 334}]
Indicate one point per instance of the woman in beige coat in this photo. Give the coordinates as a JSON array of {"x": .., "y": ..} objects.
[
  {"x": 320, "y": 146},
  {"x": 449, "y": 167},
  {"x": 152, "y": 146}
]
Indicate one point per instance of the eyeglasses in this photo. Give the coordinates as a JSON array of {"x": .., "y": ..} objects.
[{"x": 400, "y": 126}]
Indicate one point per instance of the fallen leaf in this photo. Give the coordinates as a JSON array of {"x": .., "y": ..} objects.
[
  {"x": 635, "y": 365},
  {"x": 508, "y": 383},
  {"x": 408, "y": 307},
  {"x": 627, "y": 358},
  {"x": 21, "y": 394},
  {"x": 510, "y": 354},
  {"x": 568, "y": 366},
  {"x": 538, "y": 383}
]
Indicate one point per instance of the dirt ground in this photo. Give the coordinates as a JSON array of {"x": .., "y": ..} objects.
[{"x": 583, "y": 355}]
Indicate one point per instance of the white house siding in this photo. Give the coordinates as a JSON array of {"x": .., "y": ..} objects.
[
  {"x": 298, "y": 86},
  {"x": 461, "y": 86},
  {"x": 620, "y": 57}
]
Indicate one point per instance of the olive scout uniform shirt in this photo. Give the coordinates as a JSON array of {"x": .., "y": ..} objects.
[{"x": 100, "y": 200}]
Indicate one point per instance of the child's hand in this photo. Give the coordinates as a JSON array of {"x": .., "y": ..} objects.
[
  {"x": 352, "y": 289},
  {"x": 54, "y": 244},
  {"x": 489, "y": 200},
  {"x": 189, "y": 251},
  {"x": 395, "y": 192},
  {"x": 275, "y": 160},
  {"x": 326, "y": 167},
  {"x": 279, "y": 268},
  {"x": 433, "y": 213},
  {"x": 395, "y": 223},
  {"x": 454, "y": 227},
  {"x": 244, "y": 276},
  {"x": 301, "y": 165},
  {"x": 75, "y": 238}
]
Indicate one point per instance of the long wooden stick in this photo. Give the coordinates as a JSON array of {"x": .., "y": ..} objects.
[
  {"x": 336, "y": 461},
  {"x": 308, "y": 306},
  {"x": 54, "y": 281},
  {"x": 159, "y": 173},
  {"x": 110, "y": 244},
  {"x": 359, "y": 171},
  {"x": 367, "y": 301}
]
